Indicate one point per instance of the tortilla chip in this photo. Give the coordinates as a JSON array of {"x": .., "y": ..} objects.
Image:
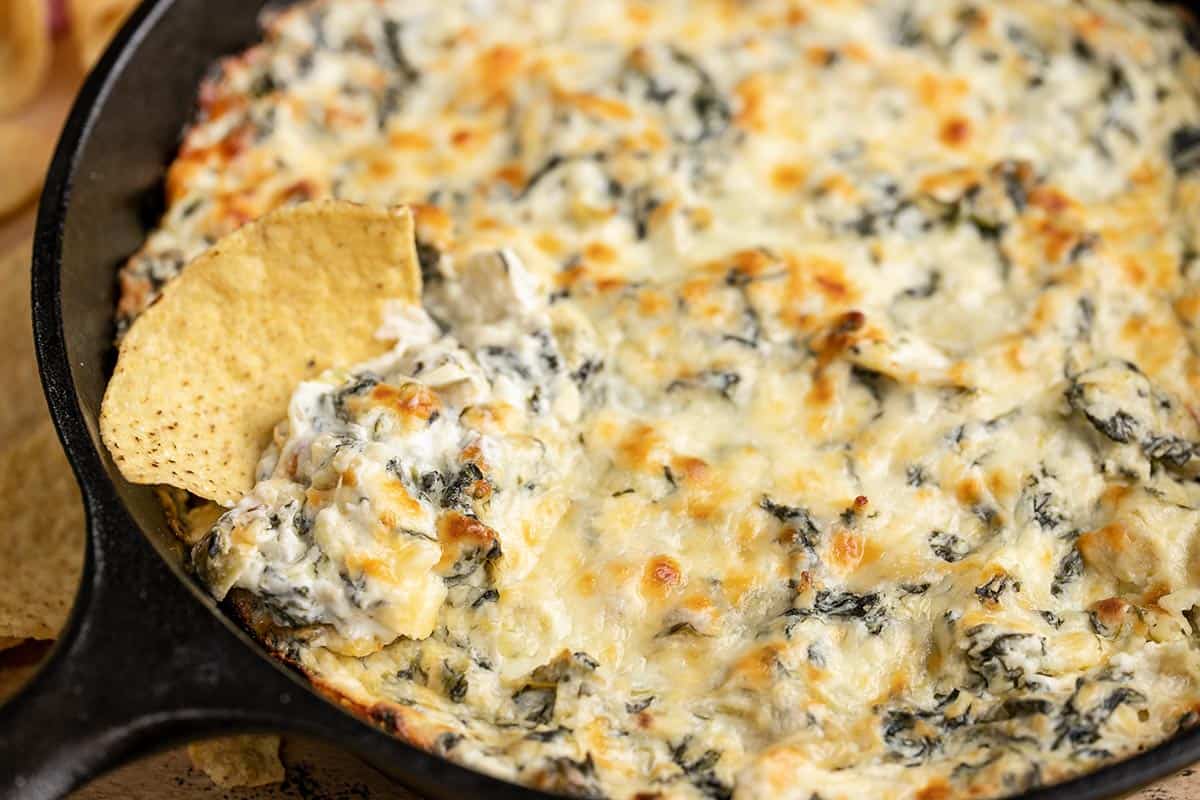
[
  {"x": 205, "y": 373},
  {"x": 24, "y": 51},
  {"x": 42, "y": 536},
  {"x": 20, "y": 178},
  {"x": 23, "y": 408},
  {"x": 93, "y": 23},
  {"x": 234, "y": 761}
]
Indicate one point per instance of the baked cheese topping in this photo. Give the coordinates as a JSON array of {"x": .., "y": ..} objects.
[{"x": 802, "y": 401}]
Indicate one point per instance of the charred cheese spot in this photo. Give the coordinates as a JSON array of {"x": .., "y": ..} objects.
[
  {"x": 846, "y": 551},
  {"x": 955, "y": 131},
  {"x": 464, "y": 537},
  {"x": 410, "y": 400},
  {"x": 663, "y": 574}
]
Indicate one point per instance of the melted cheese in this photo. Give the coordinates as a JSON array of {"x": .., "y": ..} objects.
[{"x": 804, "y": 403}]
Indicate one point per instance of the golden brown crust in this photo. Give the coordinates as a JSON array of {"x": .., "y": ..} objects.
[{"x": 397, "y": 720}]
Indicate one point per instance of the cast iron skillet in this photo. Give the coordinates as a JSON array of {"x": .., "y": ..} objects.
[{"x": 147, "y": 658}]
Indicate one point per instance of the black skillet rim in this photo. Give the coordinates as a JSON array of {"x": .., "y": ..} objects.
[{"x": 1110, "y": 780}]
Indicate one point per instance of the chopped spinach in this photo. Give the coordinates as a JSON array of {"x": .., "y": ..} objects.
[
  {"x": 995, "y": 656},
  {"x": 573, "y": 777},
  {"x": 908, "y": 737},
  {"x": 454, "y": 682},
  {"x": 1184, "y": 149},
  {"x": 392, "y": 33},
  {"x": 1079, "y": 727},
  {"x": 460, "y": 494},
  {"x": 638, "y": 706},
  {"x": 916, "y": 475},
  {"x": 1069, "y": 570},
  {"x": 699, "y": 771},
  {"x": 1120, "y": 402},
  {"x": 359, "y": 385},
  {"x": 865, "y": 608},
  {"x": 924, "y": 290},
  {"x": 799, "y": 526},
  {"x": 583, "y": 374},
  {"x": 535, "y": 701},
  {"x": 447, "y": 742},
  {"x": 430, "y": 259},
  {"x": 488, "y": 596},
  {"x": 548, "y": 734},
  {"x": 721, "y": 381},
  {"x": 997, "y": 585},
  {"x": 712, "y": 112},
  {"x": 535, "y": 704},
  {"x": 948, "y": 547}
]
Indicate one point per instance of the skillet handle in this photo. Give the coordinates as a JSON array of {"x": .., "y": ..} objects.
[{"x": 140, "y": 666}]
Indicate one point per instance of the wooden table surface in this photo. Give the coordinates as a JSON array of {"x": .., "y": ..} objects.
[{"x": 314, "y": 770}]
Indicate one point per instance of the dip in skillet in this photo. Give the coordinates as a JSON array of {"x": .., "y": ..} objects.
[{"x": 798, "y": 404}]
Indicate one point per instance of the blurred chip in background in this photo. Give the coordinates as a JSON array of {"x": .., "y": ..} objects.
[{"x": 46, "y": 46}]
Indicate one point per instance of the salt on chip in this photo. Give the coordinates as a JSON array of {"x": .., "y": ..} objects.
[
  {"x": 235, "y": 761},
  {"x": 203, "y": 376}
]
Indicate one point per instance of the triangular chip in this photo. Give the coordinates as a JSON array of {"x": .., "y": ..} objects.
[
  {"x": 206, "y": 372},
  {"x": 236, "y": 761}
]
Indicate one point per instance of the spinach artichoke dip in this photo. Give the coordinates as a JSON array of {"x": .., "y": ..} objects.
[{"x": 801, "y": 404}]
